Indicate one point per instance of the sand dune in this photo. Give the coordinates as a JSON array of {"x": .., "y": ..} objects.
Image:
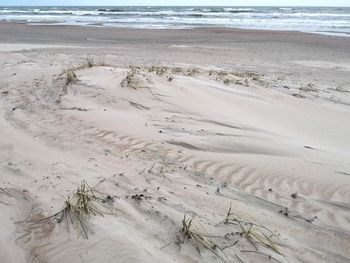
[{"x": 190, "y": 139}]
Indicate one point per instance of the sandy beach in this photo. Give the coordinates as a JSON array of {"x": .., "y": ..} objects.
[{"x": 163, "y": 124}]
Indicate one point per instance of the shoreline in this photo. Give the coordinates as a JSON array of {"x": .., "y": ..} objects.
[{"x": 101, "y": 25}]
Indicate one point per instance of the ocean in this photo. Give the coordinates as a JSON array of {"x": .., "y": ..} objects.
[{"x": 309, "y": 19}]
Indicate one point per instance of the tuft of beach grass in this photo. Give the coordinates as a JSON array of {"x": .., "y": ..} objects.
[
  {"x": 89, "y": 62},
  {"x": 70, "y": 77},
  {"x": 77, "y": 211},
  {"x": 193, "y": 230},
  {"x": 255, "y": 234}
]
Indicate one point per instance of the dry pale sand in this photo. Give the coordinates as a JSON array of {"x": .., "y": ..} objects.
[{"x": 258, "y": 120}]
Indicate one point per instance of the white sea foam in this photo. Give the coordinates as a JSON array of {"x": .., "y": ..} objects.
[{"x": 313, "y": 19}]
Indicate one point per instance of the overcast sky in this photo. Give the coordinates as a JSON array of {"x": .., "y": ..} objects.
[{"x": 181, "y": 2}]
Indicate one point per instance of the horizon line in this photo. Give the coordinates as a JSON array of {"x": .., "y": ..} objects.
[{"x": 173, "y": 6}]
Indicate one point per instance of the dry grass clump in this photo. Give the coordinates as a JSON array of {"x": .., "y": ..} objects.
[
  {"x": 255, "y": 234},
  {"x": 159, "y": 70},
  {"x": 135, "y": 79},
  {"x": 231, "y": 77},
  {"x": 232, "y": 245},
  {"x": 137, "y": 75},
  {"x": 166, "y": 71},
  {"x": 89, "y": 62},
  {"x": 77, "y": 210},
  {"x": 70, "y": 77},
  {"x": 176, "y": 70},
  {"x": 102, "y": 63},
  {"x": 193, "y": 229},
  {"x": 170, "y": 77},
  {"x": 192, "y": 72},
  {"x": 252, "y": 75},
  {"x": 309, "y": 87},
  {"x": 130, "y": 78}
]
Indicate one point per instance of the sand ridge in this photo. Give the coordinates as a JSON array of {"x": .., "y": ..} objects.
[{"x": 190, "y": 139}]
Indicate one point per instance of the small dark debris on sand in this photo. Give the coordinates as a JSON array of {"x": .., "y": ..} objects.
[
  {"x": 308, "y": 147},
  {"x": 298, "y": 96},
  {"x": 294, "y": 195}
]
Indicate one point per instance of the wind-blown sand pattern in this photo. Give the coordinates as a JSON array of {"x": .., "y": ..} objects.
[{"x": 164, "y": 140}]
